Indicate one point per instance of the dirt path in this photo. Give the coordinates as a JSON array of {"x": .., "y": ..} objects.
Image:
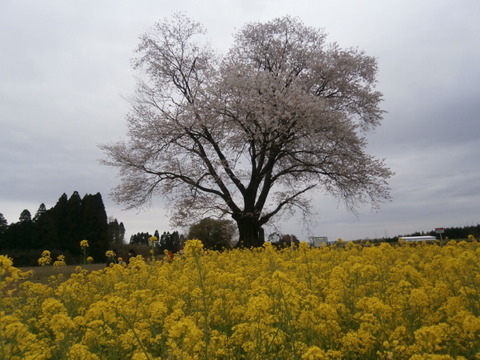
[{"x": 42, "y": 273}]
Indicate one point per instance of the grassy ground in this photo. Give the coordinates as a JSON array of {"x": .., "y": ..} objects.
[{"x": 42, "y": 273}]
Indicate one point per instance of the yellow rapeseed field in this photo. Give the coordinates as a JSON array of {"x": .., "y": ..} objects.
[{"x": 340, "y": 302}]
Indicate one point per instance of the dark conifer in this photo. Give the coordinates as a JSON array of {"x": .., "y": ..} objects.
[
  {"x": 93, "y": 224},
  {"x": 3, "y": 223},
  {"x": 25, "y": 216},
  {"x": 41, "y": 210}
]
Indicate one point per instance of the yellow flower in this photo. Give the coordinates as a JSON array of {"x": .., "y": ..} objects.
[
  {"x": 84, "y": 243},
  {"x": 89, "y": 259},
  {"x": 268, "y": 245},
  {"x": 193, "y": 246},
  {"x": 46, "y": 253},
  {"x": 303, "y": 245},
  {"x": 5, "y": 263},
  {"x": 152, "y": 240},
  {"x": 60, "y": 262},
  {"x": 9, "y": 273},
  {"x": 44, "y": 261},
  {"x": 315, "y": 353},
  {"x": 45, "y": 258},
  {"x": 80, "y": 352}
]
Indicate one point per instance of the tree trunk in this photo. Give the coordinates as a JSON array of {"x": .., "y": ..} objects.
[{"x": 251, "y": 232}]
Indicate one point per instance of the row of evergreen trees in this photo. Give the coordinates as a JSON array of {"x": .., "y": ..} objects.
[
  {"x": 60, "y": 230},
  {"x": 172, "y": 242}
]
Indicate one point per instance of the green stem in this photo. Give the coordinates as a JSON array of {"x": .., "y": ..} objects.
[{"x": 205, "y": 303}]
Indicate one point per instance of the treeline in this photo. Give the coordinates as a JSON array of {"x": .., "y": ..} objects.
[
  {"x": 60, "y": 230},
  {"x": 215, "y": 234},
  {"x": 172, "y": 242},
  {"x": 453, "y": 233},
  {"x": 458, "y": 232}
]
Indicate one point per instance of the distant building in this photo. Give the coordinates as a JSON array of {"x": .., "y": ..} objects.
[
  {"x": 317, "y": 241},
  {"x": 417, "y": 238}
]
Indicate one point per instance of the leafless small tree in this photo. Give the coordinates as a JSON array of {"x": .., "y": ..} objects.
[{"x": 251, "y": 133}]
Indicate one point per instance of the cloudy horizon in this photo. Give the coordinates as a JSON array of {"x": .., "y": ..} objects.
[{"x": 66, "y": 73}]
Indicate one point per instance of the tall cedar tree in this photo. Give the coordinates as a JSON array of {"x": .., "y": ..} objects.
[{"x": 3, "y": 223}]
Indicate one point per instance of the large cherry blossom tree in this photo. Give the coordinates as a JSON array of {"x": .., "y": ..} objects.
[{"x": 249, "y": 134}]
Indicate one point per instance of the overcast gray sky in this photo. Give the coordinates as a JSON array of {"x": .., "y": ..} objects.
[{"x": 65, "y": 73}]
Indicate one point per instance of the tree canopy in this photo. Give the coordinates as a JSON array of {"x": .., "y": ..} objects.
[
  {"x": 251, "y": 133},
  {"x": 214, "y": 234}
]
